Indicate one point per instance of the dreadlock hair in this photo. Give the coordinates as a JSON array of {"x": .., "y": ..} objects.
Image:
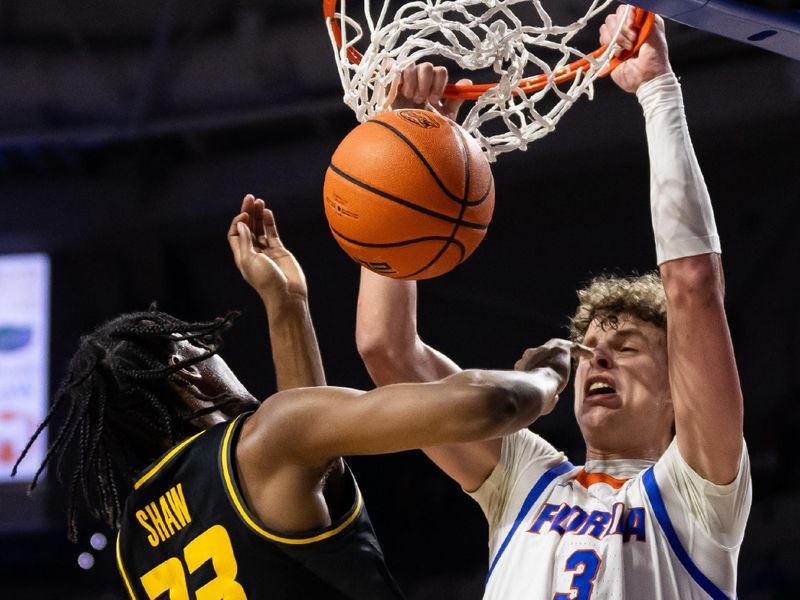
[{"x": 121, "y": 411}]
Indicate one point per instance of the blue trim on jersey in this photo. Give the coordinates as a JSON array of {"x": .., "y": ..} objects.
[
  {"x": 660, "y": 510},
  {"x": 536, "y": 491}
]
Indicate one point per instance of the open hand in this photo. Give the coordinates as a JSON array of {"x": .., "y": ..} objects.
[
  {"x": 652, "y": 59},
  {"x": 260, "y": 255}
]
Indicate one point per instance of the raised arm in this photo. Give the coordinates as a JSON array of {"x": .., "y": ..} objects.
[
  {"x": 386, "y": 333},
  {"x": 386, "y": 322},
  {"x": 286, "y": 448},
  {"x": 387, "y": 339},
  {"x": 276, "y": 276},
  {"x": 704, "y": 381}
]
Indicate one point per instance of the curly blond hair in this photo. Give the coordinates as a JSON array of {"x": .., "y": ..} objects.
[{"x": 609, "y": 296}]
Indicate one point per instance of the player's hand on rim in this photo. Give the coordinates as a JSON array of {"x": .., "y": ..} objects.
[
  {"x": 422, "y": 86},
  {"x": 260, "y": 255},
  {"x": 650, "y": 61}
]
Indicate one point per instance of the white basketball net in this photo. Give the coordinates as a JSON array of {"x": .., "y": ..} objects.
[{"x": 475, "y": 34}]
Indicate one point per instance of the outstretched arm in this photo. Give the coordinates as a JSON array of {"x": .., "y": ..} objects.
[
  {"x": 286, "y": 447},
  {"x": 386, "y": 322},
  {"x": 276, "y": 276},
  {"x": 311, "y": 426},
  {"x": 704, "y": 381}
]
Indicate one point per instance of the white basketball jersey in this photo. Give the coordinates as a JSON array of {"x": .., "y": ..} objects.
[{"x": 614, "y": 530}]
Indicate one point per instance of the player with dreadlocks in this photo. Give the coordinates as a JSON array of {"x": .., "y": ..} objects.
[
  {"x": 119, "y": 413},
  {"x": 229, "y": 498}
]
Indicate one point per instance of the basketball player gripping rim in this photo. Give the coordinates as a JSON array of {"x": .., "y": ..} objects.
[{"x": 651, "y": 515}]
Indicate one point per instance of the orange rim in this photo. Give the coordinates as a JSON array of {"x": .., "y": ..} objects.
[{"x": 642, "y": 19}]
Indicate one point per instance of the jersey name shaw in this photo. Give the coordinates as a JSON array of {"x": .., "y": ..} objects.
[
  {"x": 599, "y": 524},
  {"x": 163, "y": 517}
]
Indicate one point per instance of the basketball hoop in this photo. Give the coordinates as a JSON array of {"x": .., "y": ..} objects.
[{"x": 476, "y": 35}]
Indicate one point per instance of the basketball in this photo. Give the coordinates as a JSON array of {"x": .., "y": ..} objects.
[{"x": 409, "y": 194}]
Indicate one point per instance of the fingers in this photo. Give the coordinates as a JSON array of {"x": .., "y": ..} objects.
[
  {"x": 581, "y": 351},
  {"x": 244, "y": 240},
  {"x": 551, "y": 353},
  {"x": 424, "y": 82},
  {"x": 246, "y": 225},
  {"x": 233, "y": 233},
  {"x": 438, "y": 83},
  {"x": 247, "y": 203},
  {"x": 421, "y": 83},
  {"x": 240, "y": 218},
  {"x": 451, "y": 107},
  {"x": 408, "y": 82},
  {"x": 530, "y": 357},
  {"x": 257, "y": 222},
  {"x": 271, "y": 229},
  {"x": 627, "y": 36}
]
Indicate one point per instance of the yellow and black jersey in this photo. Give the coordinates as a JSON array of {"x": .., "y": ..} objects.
[{"x": 186, "y": 533}]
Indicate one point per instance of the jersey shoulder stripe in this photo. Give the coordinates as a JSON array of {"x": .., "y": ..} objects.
[
  {"x": 536, "y": 491},
  {"x": 164, "y": 460},
  {"x": 236, "y": 499},
  {"x": 122, "y": 571},
  {"x": 662, "y": 516}
]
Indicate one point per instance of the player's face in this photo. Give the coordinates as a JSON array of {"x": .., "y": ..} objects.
[
  {"x": 622, "y": 400},
  {"x": 213, "y": 377}
]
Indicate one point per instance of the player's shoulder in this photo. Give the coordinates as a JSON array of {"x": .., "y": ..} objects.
[
  {"x": 673, "y": 465},
  {"x": 527, "y": 454},
  {"x": 531, "y": 445},
  {"x": 190, "y": 450}
]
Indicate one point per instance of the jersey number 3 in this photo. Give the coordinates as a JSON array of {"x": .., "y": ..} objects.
[
  {"x": 215, "y": 544},
  {"x": 585, "y": 564}
]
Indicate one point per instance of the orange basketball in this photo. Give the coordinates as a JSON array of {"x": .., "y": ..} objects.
[{"x": 409, "y": 194}]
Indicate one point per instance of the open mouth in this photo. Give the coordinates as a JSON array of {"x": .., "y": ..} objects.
[{"x": 600, "y": 388}]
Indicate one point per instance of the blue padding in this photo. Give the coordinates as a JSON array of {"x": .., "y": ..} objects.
[
  {"x": 538, "y": 488},
  {"x": 773, "y": 30},
  {"x": 660, "y": 510}
]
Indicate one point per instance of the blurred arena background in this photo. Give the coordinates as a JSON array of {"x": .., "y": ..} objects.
[{"x": 129, "y": 132}]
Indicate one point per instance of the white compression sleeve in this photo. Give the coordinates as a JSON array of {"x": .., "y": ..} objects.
[{"x": 683, "y": 220}]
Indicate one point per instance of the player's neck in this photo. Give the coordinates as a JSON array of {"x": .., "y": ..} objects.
[{"x": 636, "y": 452}]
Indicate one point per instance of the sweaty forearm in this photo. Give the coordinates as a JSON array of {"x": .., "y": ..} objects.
[
  {"x": 295, "y": 351},
  {"x": 516, "y": 398},
  {"x": 536, "y": 392},
  {"x": 683, "y": 219}
]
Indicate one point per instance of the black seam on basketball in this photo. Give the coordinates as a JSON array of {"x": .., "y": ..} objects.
[
  {"x": 430, "y": 238},
  {"x": 459, "y": 246},
  {"x": 428, "y": 166},
  {"x": 488, "y": 189},
  {"x": 464, "y": 205},
  {"x": 467, "y": 184},
  {"x": 406, "y": 203}
]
